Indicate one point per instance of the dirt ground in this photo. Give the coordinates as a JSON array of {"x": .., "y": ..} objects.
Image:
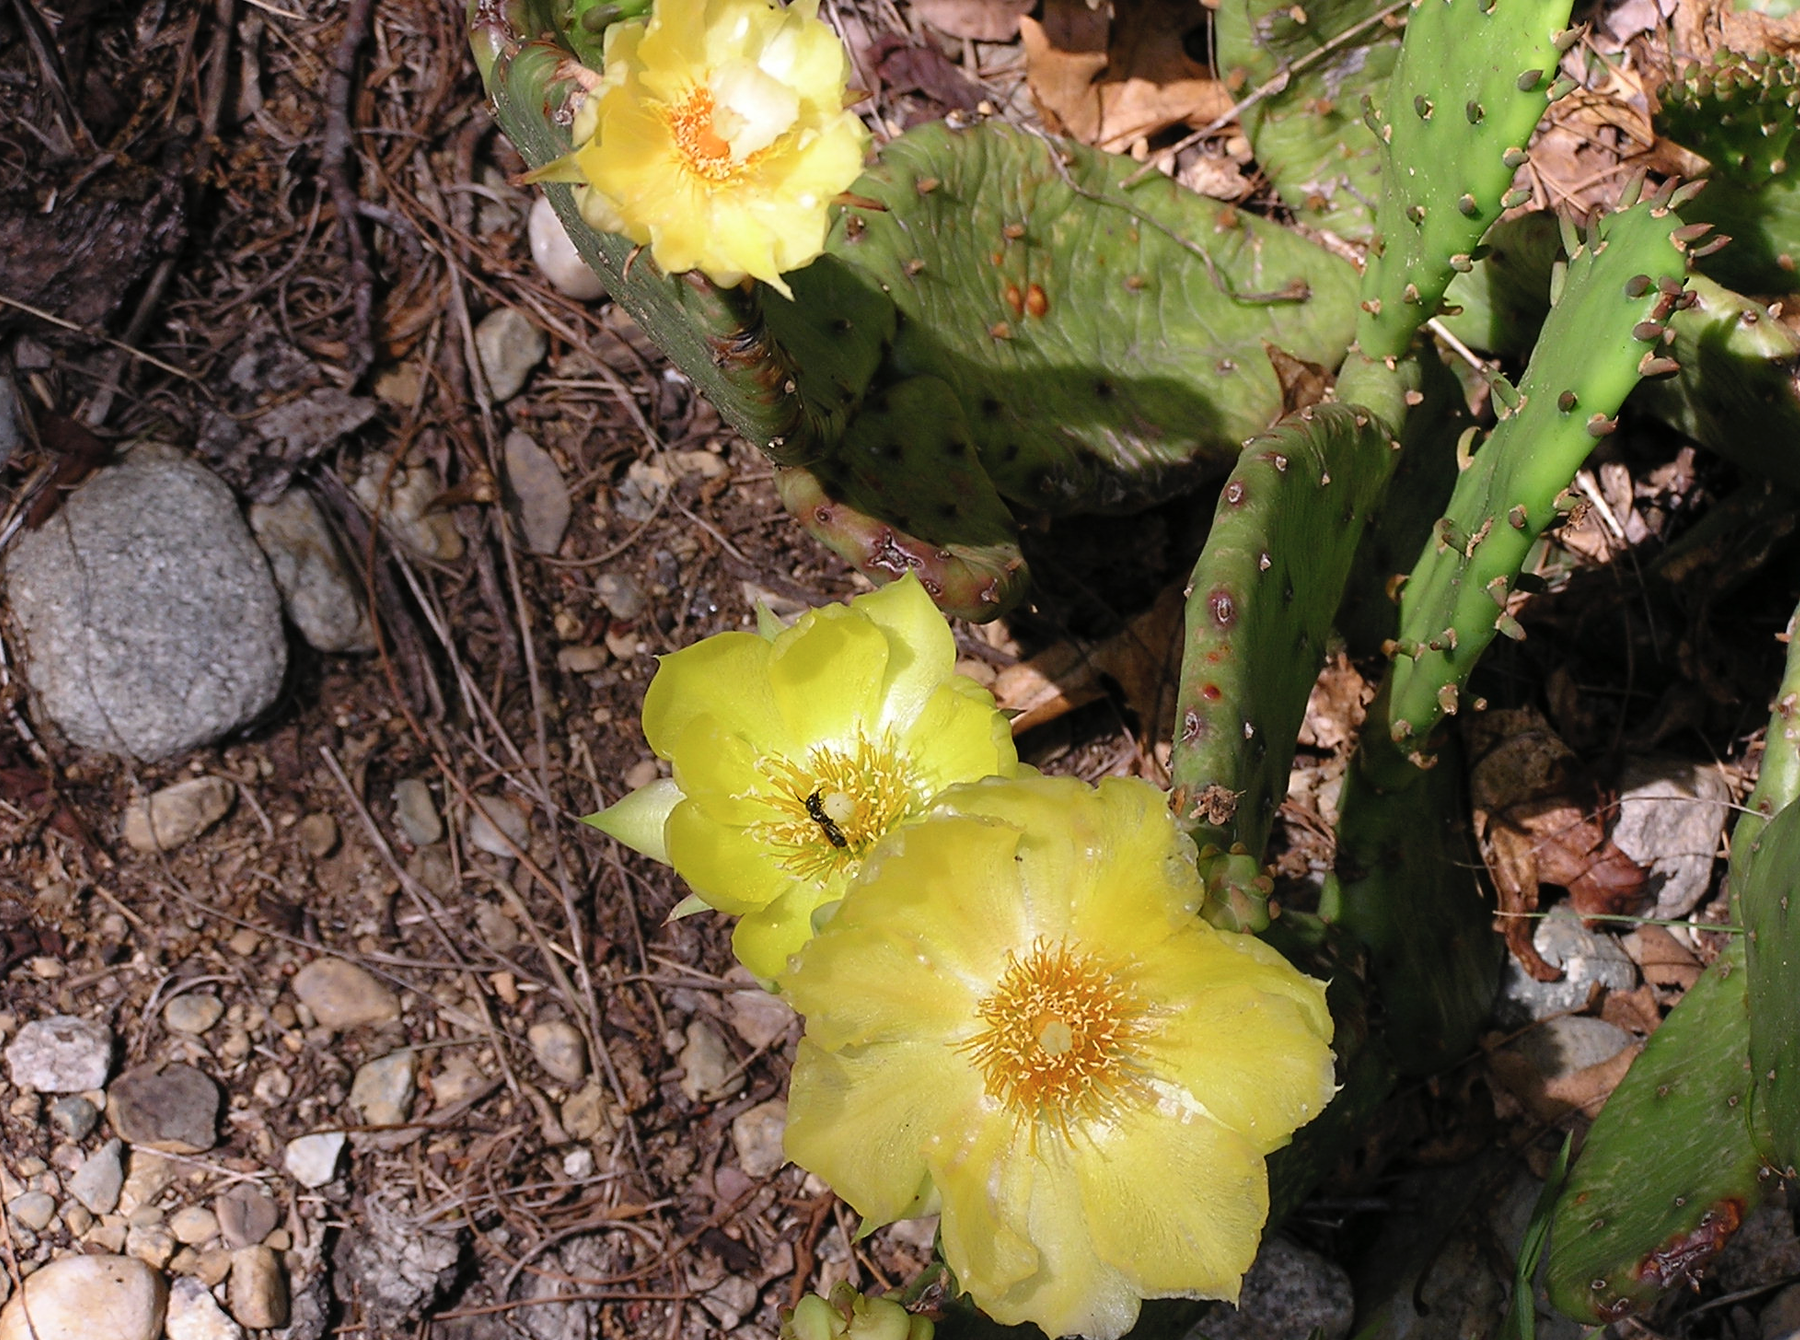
[{"x": 321, "y": 188}]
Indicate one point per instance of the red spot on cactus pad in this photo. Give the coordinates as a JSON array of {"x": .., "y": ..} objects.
[
  {"x": 1222, "y": 607},
  {"x": 1035, "y": 301},
  {"x": 1015, "y": 299},
  {"x": 1211, "y": 693},
  {"x": 1683, "y": 1255}
]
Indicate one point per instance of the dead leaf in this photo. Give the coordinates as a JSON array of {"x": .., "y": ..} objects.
[
  {"x": 1538, "y": 821},
  {"x": 1634, "y": 1011},
  {"x": 1142, "y": 659},
  {"x": 1552, "y": 1099},
  {"x": 906, "y": 68},
  {"x": 1334, "y": 711},
  {"x": 1111, "y": 82},
  {"x": 1663, "y": 959},
  {"x": 979, "y": 20}
]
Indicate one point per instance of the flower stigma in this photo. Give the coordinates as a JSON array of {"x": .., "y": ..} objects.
[{"x": 1059, "y": 1037}]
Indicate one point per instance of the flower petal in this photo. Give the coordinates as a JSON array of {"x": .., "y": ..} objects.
[
  {"x": 922, "y": 651},
  {"x": 726, "y": 867},
  {"x": 825, "y": 675},
  {"x": 862, "y": 1120},
  {"x": 765, "y": 939},
  {"x": 725, "y": 677},
  {"x": 984, "y": 1176}
]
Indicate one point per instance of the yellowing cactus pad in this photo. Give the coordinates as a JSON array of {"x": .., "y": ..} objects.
[
  {"x": 720, "y": 137},
  {"x": 1018, "y": 1018},
  {"x": 795, "y": 752}
]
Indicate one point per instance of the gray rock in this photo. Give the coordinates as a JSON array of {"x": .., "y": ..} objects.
[
  {"x": 34, "y": 1210},
  {"x": 74, "y": 1116},
  {"x": 1671, "y": 813},
  {"x": 167, "y": 1106},
  {"x": 560, "y": 1049},
  {"x": 318, "y": 586},
  {"x": 247, "y": 1214},
  {"x": 177, "y": 814},
  {"x": 621, "y": 594},
  {"x": 80, "y": 1297},
  {"x": 586, "y": 1114},
  {"x": 758, "y": 1017},
  {"x": 1780, "y": 1318},
  {"x": 729, "y": 1301},
  {"x": 540, "y": 497},
  {"x": 61, "y": 1054},
  {"x": 97, "y": 1181},
  {"x": 194, "y": 1314},
  {"x": 1571, "y": 1042},
  {"x": 343, "y": 995},
  {"x": 407, "y": 508},
  {"x": 258, "y": 1290},
  {"x": 556, "y": 257},
  {"x": 193, "y": 1012},
  {"x": 311, "y": 1160},
  {"x": 756, "y": 1136},
  {"x": 1288, "y": 1293},
  {"x": 493, "y": 816},
  {"x": 150, "y": 623},
  {"x": 706, "y": 1063},
  {"x": 318, "y": 834},
  {"x": 416, "y": 812},
  {"x": 397, "y": 1266},
  {"x": 509, "y": 347},
  {"x": 1586, "y": 957},
  {"x": 193, "y": 1225},
  {"x": 382, "y": 1091}
]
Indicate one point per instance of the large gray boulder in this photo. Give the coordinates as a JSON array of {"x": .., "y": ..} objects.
[{"x": 150, "y": 622}]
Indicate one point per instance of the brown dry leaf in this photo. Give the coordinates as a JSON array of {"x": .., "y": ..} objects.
[
  {"x": 1663, "y": 959},
  {"x": 1634, "y": 1011},
  {"x": 1702, "y": 27},
  {"x": 979, "y": 20},
  {"x": 1552, "y": 1099},
  {"x": 1141, "y": 658},
  {"x": 1334, "y": 711},
  {"x": 1537, "y": 823},
  {"x": 1110, "y": 82}
]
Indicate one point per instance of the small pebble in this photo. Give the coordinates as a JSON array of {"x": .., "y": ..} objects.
[
  {"x": 539, "y": 493},
  {"x": 758, "y": 1017},
  {"x": 153, "y": 1244},
  {"x": 247, "y": 1215},
  {"x": 34, "y": 1210},
  {"x": 194, "y": 1314},
  {"x": 193, "y": 1012},
  {"x": 311, "y": 1160},
  {"x": 584, "y": 1113},
  {"x": 756, "y": 1136},
  {"x": 344, "y": 995},
  {"x": 560, "y": 1049},
  {"x": 61, "y": 1054},
  {"x": 81, "y": 1297},
  {"x": 556, "y": 256},
  {"x": 642, "y": 773},
  {"x": 620, "y": 594},
  {"x": 382, "y": 1091},
  {"x": 509, "y": 347},
  {"x": 416, "y": 812},
  {"x": 167, "y": 1106},
  {"x": 177, "y": 814},
  {"x": 74, "y": 1116},
  {"x": 258, "y": 1292},
  {"x": 582, "y": 660},
  {"x": 193, "y": 1225},
  {"x": 97, "y": 1183},
  {"x": 496, "y": 815},
  {"x": 318, "y": 834},
  {"x": 706, "y": 1063}
]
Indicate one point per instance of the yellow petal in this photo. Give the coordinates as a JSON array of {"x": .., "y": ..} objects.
[
  {"x": 726, "y": 866},
  {"x": 922, "y": 650},
  {"x": 958, "y": 735},
  {"x": 725, "y": 677},
  {"x": 1176, "y": 1204},
  {"x": 984, "y": 1180},
  {"x": 861, "y": 1121},
  {"x": 718, "y": 771},
  {"x": 768, "y": 937},
  {"x": 825, "y": 675}
]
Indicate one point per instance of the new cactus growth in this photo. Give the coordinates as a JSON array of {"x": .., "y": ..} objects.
[
  {"x": 1604, "y": 333},
  {"x": 1473, "y": 80}
]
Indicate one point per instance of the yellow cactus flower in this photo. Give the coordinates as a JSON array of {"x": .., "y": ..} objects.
[
  {"x": 1018, "y": 1018},
  {"x": 795, "y": 750},
  {"x": 718, "y": 135}
]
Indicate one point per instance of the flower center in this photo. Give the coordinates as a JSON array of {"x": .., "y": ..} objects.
[
  {"x": 1059, "y": 1035},
  {"x": 836, "y": 805},
  {"x": 705, "y": 152}
]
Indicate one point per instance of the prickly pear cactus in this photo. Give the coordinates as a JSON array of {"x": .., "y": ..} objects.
[
  {"x": 1260, "y": 606},
  {"x": 1473, "y": 80},
  {"x": 1741, "y": 113},
  {"x": 1499, "y": 305},
  {"x": 1307, "y": 132},
  {"x": 1604, "y": 333},
  {"x": 1669, "y": 1170},
  {"x": 1107, "y": 346}
]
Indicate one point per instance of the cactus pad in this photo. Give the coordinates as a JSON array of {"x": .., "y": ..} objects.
[
  {"x": 1260, "y": 605},
  {"x": 1473, "y": 80},
  {"x": 1603, "y": 334}
]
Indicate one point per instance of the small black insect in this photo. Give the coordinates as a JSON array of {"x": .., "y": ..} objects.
[{"x": 816, "y": 807}]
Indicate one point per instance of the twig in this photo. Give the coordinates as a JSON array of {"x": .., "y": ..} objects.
[
  {"x": 99, "y": 335},
  {"x": 334, "y": 167}
]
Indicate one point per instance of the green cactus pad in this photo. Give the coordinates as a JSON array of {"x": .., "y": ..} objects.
[
  {"x": 1405, "y": 885},
  {"x": 1308, "y": 134},
  {"x": 1472, "y": 82},
  {"x": 1260, "y": 605},
  {"x": 1741, "y": 114},
  {"x": 1108, "y": 347},
  {"x": 1768, "y": 899},
  {"x": 1604, "y": 332},
  {"x": 1735, "y": 392},
  {"x": 1669, "y": 1169}
]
